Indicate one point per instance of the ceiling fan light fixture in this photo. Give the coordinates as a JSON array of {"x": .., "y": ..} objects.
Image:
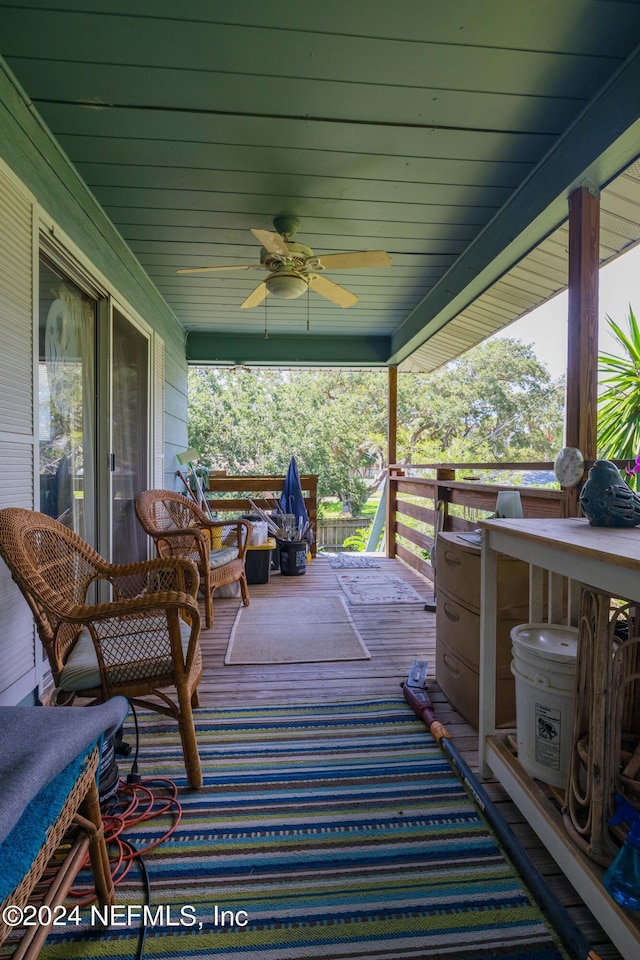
[{"x": 287, "y": 285}]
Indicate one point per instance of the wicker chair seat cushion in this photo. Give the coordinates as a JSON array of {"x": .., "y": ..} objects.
[
  {"x": 81, "y": 671},
  {"x": 218, "y": 558},
  {"x": 24, "y": 842},
  {"x": 37, "y": 743}
]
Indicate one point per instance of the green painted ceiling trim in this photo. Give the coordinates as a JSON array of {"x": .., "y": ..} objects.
[
  {"x": 215, "y": 348},
  {"x": 29, "y": 149},
  {"x": 602, "y": 142}
]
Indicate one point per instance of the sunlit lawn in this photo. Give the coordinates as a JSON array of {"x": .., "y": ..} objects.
[{"x": 331, "y": 509}]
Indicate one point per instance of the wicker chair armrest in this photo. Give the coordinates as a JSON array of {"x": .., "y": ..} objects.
[
  {"x": 201, "y": 540},
  {"x": 184, "y": 571},
  {"x": 186, "y": 582},
  {"x": 149, "y": 566},
  {"x": 195, "y": 532},
  {"x": 128, "y": 606},
  {"x": 243, "y": 532}
]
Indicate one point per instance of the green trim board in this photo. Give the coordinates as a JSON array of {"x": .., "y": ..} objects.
[{"x": 239, "y": 349}]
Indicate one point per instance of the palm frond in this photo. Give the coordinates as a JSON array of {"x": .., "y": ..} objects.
[{"x": 619, "y": 401}]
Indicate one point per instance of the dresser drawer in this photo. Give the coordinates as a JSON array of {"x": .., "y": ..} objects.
[
  {"x": 460, "y": 684},
  {"x": 458, "y": 628},
  {"x": 458, "y": 569},
  {"x": 458, "y": 573}
]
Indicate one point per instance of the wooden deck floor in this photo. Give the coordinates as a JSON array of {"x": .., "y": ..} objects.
[{"x": 395, "y": 635}]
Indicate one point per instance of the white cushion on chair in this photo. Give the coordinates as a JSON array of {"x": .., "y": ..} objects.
[
  {"x": 218, "y": 558},
  {"x": 81, "y": 671}
]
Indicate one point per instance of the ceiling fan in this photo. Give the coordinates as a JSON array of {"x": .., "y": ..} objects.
[{"x": 294, "y": 268}]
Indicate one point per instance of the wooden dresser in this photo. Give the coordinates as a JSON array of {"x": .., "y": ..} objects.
[{"x": 458, "y": 626}]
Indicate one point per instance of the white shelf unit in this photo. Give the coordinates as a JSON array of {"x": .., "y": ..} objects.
[{"x": 607, "y": 560}]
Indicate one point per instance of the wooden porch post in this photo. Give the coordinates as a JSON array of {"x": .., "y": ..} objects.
[
  {"x": 392, "y": 453},
  {"x": 582, "y": 344},
  {"x": 392, "y": 416}
]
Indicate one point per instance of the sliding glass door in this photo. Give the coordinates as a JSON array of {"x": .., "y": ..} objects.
[
  {"x": 130, "y": 438},
  {"x": 93, "y": 416},
  {"x": 67, "y": 403}
]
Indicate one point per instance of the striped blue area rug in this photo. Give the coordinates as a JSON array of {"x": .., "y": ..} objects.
[{"x": 335, "y": 831}]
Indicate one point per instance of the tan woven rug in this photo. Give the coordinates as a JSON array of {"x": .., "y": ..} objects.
[
  {"x": 363, "y": 588},
  {"x": 319, "y": 630}
]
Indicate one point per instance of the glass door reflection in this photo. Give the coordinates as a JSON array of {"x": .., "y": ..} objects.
[
  {"x": 129, "y": 432},
  {"x": 67, "y": 403}
]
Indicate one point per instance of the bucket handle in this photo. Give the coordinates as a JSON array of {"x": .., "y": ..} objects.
[{"x": 538, "y": 679}]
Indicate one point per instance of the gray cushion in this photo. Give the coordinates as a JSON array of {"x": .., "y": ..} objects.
[
  {"x": 81, "y": 671},
  {"x": 218, "y": 558},
  {"x": 37, "y": 743}
]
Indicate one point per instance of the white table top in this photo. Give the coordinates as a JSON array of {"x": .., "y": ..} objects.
[{"x": 620, "y": 546}]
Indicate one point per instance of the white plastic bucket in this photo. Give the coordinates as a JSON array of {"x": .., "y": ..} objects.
[
  {"x": 259, "y": 533},
  {"x": 544, "y": 667},
  {"x": 259, "y": 529}
]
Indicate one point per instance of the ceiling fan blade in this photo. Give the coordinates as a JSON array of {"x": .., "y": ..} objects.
[
  {"x": 365, "y": 258},
  {"x": 272, "y": 242},
  {"x": 235, "y": 266},
  {"x": 332, "y": 291},
  {"x": 256, "y": 297}
]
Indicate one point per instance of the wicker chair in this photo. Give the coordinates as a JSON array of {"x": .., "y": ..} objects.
[
  {"x": 76, "y": 831},
  {"x": 142, "y": 640},
  {"x": 181, "y": 529}
]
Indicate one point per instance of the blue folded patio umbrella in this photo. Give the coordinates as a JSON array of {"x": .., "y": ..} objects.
[{"x": 291, "y": 500}]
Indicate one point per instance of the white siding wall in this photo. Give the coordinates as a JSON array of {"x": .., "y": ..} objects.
[
  {"x": 17, "y": 648},
  {"x": 39, "y": 190}
]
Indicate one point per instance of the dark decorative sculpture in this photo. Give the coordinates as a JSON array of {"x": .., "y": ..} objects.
[{"x": 606, "y": 500}]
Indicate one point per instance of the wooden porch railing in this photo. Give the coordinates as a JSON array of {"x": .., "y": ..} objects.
[
  {"x": 414, "y": 498},
  {"x": 233, "y": 492},
  {"x": 411, "y": 501}
]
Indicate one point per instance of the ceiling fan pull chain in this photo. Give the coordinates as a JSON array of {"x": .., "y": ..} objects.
[
  {"x": 266, "y": 331},
  {"x": 308, "y": 308}
]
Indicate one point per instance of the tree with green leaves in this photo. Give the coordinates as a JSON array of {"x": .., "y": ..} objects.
[
  {"x": 253, "y": 421},
  {"x": 497, "y": 402}
]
